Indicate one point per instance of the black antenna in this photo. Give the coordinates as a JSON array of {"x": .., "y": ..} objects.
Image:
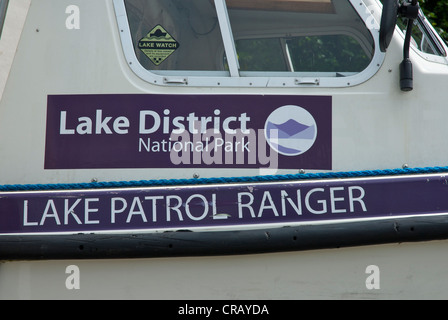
[{"x": 408, "y": 10}]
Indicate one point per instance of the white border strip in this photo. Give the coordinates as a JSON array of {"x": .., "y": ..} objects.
[{"x": 246, "y": 227}]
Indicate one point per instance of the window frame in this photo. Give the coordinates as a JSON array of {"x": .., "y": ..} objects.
[{"x": 234, "y": 77}]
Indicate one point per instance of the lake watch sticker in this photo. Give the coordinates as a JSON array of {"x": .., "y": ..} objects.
[
  {"x": 189, "y": 131},
  {"x": 158, "y": 45}
]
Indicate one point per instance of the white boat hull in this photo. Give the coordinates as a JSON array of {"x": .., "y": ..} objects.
[{"x": 406, "y": 271}]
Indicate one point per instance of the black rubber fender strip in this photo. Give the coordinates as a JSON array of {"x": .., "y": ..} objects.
[{"x": 215, "y": 243}]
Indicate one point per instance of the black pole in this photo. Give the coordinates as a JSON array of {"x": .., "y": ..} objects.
[
  {"x": 409, "y": 11},
  {"x": 406, "y": 72}
]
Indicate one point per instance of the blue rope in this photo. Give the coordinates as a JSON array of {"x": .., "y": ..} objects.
[{"x": 205, "y": 181}]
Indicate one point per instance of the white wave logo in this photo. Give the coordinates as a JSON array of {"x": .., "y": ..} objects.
[{"x": 291, "y": 130}]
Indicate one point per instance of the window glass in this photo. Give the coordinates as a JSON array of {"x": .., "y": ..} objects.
[
  {"x": 422, "y": 39},
  {"x": 176, "y": 34},
  {"x": 300, "y": 36},
  {"x": 261, "y": 55},
  {"x": 3, "y": 9},
  {"x": 332, "y": 53}
]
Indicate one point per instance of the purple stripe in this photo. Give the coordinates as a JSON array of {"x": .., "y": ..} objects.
[{"x": 222, "y": 205}]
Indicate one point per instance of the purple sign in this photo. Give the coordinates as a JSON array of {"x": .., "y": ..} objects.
[
  {"x": 188, "y": 131},
  {"x": 221, "y": 206}
]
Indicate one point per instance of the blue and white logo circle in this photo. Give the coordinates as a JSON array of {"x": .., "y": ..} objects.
[{"x": 291, "y": 130}]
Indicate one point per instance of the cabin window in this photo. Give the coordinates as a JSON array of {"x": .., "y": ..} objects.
[
  {"x": 423, "y": 36},
  {"x": 175, "y": 34},
  {"x": 323, "y": 37},
  {"x": 248, "y": 42},
  {"x": 335, "y": 54}
]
